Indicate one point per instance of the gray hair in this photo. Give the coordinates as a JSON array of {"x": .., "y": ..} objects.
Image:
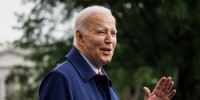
[{"x": 81, "y": 19}]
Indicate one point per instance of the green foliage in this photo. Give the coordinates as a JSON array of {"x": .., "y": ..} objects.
[{"x": 155, "y": 39}]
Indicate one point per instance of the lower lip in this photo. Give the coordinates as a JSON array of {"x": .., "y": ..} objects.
[{"x": 106, "y": 52}]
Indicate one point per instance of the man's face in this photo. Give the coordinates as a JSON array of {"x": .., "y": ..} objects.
[{"x": 100, "y": 40}]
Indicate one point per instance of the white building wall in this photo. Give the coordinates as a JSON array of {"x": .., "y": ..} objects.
[
  {"x": 9, "y": 57},
  {"x": 4, "y": 73}
]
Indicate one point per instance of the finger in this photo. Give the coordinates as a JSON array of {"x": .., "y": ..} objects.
[
  {"x": 160, "y": 84},
  {"x": 170, "y": 86},
  {"x": 166, "y": 88},
  {"x": 172, "y": 93},
  {"x": 147, "y": 92},
  {"x": 169, "y": 78}
]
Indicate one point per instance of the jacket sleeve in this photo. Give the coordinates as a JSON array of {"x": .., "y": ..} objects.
[{"x": 55, "y": 87}]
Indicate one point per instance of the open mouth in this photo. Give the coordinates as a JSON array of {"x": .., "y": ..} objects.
[{"x": 106, "y": 51}]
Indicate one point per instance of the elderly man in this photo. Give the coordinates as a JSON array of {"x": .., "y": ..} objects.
[{"x": 82, "y": 77}]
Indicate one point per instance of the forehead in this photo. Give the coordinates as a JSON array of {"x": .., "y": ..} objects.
[{"x": 101, "y": 20}]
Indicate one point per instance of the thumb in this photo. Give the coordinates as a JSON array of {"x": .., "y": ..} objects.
[{"x": 147, "y": 92}]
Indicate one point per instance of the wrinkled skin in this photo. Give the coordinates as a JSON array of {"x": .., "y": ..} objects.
[
  {"x": 100, "y": 40},
  {"x": 162, "y": 91}
]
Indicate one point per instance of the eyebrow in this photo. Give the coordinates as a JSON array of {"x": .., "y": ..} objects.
[{"x": 104, "y": 28}]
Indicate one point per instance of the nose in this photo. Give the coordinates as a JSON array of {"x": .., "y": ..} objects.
[{"x": 109, "y": 38}]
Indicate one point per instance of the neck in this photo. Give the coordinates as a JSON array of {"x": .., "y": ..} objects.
[{"x": 96, "y": 65}]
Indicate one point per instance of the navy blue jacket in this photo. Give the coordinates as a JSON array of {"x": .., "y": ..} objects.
[{"x": 75, "y": 80}]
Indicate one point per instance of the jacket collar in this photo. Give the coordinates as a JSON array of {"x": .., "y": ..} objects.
[{"x": 81, "y": 66}]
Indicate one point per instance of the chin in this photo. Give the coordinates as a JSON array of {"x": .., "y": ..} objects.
[{"x": 107, "y": 61}]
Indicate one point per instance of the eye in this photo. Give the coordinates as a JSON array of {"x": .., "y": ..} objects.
[
  {"x": 101, "y": 32},
  {"x": 113, "y": 33}
]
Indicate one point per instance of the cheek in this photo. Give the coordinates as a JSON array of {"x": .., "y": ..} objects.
[
  {"x": 94, "y": 44},
  {"x": 114, "y": 43},
  {"x": 98, "y": 41}
]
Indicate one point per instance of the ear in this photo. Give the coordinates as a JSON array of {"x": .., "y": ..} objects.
[{"x": 79, "y": 37}]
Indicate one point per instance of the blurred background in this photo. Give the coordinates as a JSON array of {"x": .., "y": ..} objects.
[{"x": 155, "y": 38}]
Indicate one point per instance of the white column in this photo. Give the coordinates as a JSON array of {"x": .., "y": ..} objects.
[{"x": 2, "y": 89}]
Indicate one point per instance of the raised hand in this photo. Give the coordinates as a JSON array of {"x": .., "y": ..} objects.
[{"x": 162, "y": 91}]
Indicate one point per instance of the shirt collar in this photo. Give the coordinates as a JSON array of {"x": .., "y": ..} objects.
[
  {"x": 79, "y": 63},
  {"x": 96, "y": 70}
]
